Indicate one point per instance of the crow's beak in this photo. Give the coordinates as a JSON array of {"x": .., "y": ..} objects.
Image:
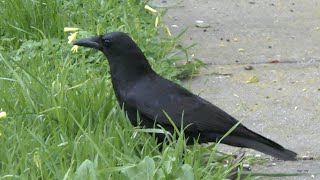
[{"x": 92, "y": 42}]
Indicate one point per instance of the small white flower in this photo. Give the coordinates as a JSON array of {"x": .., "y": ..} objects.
[{"x": 3, "y": 115}]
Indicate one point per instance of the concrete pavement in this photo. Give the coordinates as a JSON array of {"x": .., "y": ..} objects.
[{"x": 276, "y": 41}]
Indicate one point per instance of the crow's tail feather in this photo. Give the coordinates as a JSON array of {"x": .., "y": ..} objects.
[{"x": 262, "y": 144}]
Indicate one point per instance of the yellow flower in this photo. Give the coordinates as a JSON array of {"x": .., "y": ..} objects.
[
  {"x": 3, "y": 115},
  {"x": 168, "y": 31},
  {"x": 37, "y": 160},
  {"x": 253, "y": 79},
  {"x": 72, "y": 37},
  {"x": 150, "y": 9},
  {"x": 74, "y": 49},
  {"x": 157, "y": 21},
  {"x": 70, "y": 29}
]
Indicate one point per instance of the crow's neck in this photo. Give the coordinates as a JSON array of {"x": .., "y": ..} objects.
[{"x": 127, "y": 69}]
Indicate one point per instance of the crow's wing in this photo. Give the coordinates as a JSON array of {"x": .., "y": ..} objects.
[{"x": 154, "y": 95}]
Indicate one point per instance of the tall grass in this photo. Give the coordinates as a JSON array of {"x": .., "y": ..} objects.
[
  {"x": 63, "y": 120},
  {"x": 32, "y": 19}
]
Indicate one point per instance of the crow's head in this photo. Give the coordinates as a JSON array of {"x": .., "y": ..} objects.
[
  {"x": 121, "y": 51},
  {"x": 111, "y": 44}
]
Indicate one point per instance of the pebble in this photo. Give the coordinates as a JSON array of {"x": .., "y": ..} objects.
[
  {"x": 202, "y": 24},
  {"x": 241, "y": 50},
  {"x": 248, "y": 68}
]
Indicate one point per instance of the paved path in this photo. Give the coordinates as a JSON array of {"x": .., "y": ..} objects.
[{"x": 285, "y": 104}]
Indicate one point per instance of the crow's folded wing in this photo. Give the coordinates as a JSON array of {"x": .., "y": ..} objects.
[{"x": 154, "y": 97}]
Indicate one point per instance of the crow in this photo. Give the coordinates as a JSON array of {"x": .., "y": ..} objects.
[{"x": 139, "y": 89}]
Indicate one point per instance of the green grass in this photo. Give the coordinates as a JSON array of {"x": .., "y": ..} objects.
[{"x": 63, "y": 121}]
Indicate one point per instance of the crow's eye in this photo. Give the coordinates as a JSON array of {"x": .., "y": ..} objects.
[{"x": 107, "y": 42}]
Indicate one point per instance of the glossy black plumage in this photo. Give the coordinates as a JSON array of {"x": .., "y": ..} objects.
[{"x": 139, "y": 89}]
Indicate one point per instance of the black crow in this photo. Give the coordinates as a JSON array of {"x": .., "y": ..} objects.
[{"x": 140, "y": 89}]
